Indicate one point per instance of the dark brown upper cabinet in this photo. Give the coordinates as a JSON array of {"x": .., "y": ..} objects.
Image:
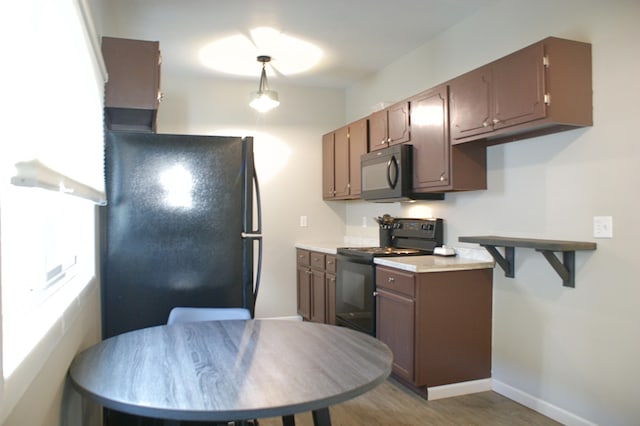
[
  {"x": 341, "y": 151},
  {"x": 132, "y": 93},
  {"x": 437, "y": 166},
  {"x": 541, "y": 89},
  {"x": 389, "y": 126}
]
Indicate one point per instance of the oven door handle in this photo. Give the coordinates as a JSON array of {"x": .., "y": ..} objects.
[{"x": 392, "y": 172}]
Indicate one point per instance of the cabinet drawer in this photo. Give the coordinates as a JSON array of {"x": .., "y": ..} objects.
[
  {"x": 317, "y": 261},
  {"x": 303, "y": 257},
  {"x": 397, "y": 281},
  {"x": 330, "y": 264}
]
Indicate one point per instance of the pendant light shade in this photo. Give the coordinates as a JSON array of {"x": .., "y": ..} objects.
[{"x": 264, "y": 99}]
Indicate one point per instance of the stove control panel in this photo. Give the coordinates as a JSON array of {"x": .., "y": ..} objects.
[{"x": 418, "y": 228}]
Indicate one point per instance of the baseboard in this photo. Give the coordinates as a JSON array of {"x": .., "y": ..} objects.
[
  {"x": 543, "y": 407},
  {"x": 457, "y": 389},
  {"x": 288, "y": 318}
]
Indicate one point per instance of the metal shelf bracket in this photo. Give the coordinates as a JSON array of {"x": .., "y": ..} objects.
[
  {"x": 566, "y": 269},
  {"x": 506, "y": 262}
]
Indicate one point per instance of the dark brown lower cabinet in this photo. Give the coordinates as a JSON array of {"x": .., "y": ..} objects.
[
  {"x": 437, "y": 324},
  {"x": 316, "y": 286}
]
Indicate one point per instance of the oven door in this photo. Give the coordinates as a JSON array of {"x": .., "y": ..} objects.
[{"x": 355, "y": 302}]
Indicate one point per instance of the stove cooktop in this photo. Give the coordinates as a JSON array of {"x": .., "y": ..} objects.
[{"x": 382, "y": 251}]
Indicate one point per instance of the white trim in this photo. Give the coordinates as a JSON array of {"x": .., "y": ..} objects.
[
  {"x": 92, "y": 35},
  {"x": 35, "y": 174},
  {"x": 457, "y": 389},
  {"x": 543, "y": 407},
  {"x": 291, "y": 318}
]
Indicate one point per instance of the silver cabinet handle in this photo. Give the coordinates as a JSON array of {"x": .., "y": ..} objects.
[
  {"x": 495, "y": 121},
  {"x": 391, "y": 279},
  {"x": 375, "y": 294}
]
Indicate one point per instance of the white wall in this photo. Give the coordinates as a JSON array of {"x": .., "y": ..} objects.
[
  {"x": 288, "y": 151},
  {"x": 41, "y": 391},
  {"x": 570, "y": 352}
]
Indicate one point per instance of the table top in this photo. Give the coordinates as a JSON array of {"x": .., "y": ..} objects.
[{"x": 230, "y": 370}]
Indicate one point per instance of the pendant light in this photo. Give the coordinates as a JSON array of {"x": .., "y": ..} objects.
[{"x": 264, "y": 99}]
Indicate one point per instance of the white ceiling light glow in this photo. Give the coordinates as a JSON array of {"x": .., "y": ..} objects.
[{"x": 236, "y": 54}]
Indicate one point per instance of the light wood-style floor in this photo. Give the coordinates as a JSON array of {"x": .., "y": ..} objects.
[{"x": 391, "y": 404}]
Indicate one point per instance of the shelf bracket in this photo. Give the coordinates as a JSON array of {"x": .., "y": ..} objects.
[
  {"x": 506, "y": 262},
  {"x": 566, "y": 269}
]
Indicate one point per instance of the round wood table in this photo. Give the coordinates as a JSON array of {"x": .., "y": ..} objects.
[{"x": 231, "y": 370}]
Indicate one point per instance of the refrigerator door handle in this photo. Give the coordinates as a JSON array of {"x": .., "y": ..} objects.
[
  {"x": 256, "y": 235},
  {"x": 251, "y": 235}
]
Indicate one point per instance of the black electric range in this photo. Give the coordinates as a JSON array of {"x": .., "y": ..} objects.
[{"x": 355, "y": 275}]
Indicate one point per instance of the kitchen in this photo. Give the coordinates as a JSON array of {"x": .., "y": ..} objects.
[{"x": 568, "y": 352}]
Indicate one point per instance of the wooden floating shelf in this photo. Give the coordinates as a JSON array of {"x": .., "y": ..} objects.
[{"x": 564, "y": 268}]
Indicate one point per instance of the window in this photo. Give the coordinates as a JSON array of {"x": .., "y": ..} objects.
[{"x": 52, "y": 112}]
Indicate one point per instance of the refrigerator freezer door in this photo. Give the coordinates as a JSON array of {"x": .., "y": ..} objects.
[{"x": 172, "y": 228}]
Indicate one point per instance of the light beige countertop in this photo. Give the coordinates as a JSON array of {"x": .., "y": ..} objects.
[
  {"x": 326, "y": 247},
  {"x": 433, "y": 263},
  {"x": 330, "y": 247},
  {"x": 465, "y": 259}
]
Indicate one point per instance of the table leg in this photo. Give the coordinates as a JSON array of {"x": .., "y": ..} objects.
[
  {"x": 321, "y": 417},
  {"x": 288, "y": 420}
]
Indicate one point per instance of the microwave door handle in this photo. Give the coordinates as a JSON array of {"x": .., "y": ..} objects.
[{"x": 392, "y": 176}]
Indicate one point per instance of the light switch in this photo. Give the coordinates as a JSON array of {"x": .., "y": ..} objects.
[
  {"x": 303, "y": 221},
  {"x": 602, "y": 227}
]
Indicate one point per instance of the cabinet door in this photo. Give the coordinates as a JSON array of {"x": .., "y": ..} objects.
[
  {"x": 341, "y": 162},
  {"x": 303, "y": 283},
  {"x": 518, "y": 87},
  {"x": 318, "y": 296},
  {"x": 330, "y": 288},
  {"x": 471, "y": 104},
  {"x": 328, "y": 155},
  {"x": 398, "y": 130},
  {"x": 358, "y": 142},
  {"x": 134, "y": 77},
  {"x": 430, "y": 139},
  {"x": 453, "y": 326},
  {"x": 395, "y": 326},
  {"x": 378, "y": 138}
]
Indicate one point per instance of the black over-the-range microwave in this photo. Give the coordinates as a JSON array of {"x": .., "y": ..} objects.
[{"x": 387, "y": 176}]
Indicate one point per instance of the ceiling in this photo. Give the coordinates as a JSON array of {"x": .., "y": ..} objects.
[{"x": 357, "y": 37}]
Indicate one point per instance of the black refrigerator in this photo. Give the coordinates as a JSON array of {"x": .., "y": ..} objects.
[{"x": 181, "y": 228}]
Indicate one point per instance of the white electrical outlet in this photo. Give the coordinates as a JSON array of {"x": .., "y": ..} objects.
[
  {"x": 602, "y": 227},
  {"x": 303, "y": 222},
  {"x": 364, "y": 221}
]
